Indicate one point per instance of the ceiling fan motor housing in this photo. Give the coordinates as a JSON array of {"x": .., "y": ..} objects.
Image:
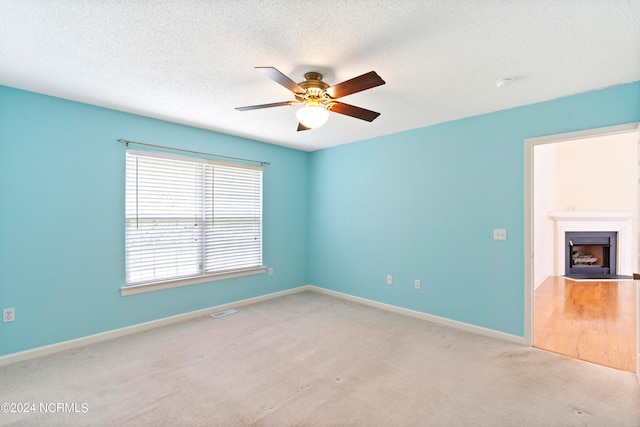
[{"x": 315, "y": 89}]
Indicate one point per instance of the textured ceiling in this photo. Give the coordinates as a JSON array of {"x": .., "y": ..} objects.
[{"x": 192, "y": 62}]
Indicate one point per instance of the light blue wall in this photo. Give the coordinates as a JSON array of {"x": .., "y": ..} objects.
[
  {"x": 420, "y": 204},
  {"x": 62, "y": 219},
  {"x": 423, "y": 204}
]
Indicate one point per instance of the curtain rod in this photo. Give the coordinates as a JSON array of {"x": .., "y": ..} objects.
[{"x": 126, "y": 142}]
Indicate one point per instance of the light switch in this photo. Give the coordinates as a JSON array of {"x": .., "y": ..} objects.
[{"x": 499, "y": 234}]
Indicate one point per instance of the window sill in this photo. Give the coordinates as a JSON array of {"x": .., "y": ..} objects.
[{"x": 156, "y": 286}]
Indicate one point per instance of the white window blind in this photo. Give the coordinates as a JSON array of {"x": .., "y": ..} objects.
[{"x": 188, "y": 217}]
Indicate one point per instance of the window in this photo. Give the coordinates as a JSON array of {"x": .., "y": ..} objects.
[{"x": 189, "y": 217}]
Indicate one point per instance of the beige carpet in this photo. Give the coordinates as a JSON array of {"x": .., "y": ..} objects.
[{"x": 309, "y": 359}]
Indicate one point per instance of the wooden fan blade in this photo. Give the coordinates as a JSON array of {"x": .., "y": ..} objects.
[
  {"x": 356, "y": 84},
  {"x": 353, "y": 111},
  {"x": 281, "y": 79},
  {"x": 302, "y": 127},
  {"x": 274, "y": 104}
]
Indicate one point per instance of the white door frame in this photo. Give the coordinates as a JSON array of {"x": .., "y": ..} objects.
[{"x": 528, "y": 218}]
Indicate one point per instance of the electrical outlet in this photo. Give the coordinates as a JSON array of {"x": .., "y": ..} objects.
[
  {"x": 270, "y": 271},
  {"x": 8, "y": 315},
  {"x": 416, "y": 284},
  {"x": 389, "y": 279}
]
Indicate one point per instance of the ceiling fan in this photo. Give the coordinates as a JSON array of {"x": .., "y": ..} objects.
[{"x": 319, "y": 98}]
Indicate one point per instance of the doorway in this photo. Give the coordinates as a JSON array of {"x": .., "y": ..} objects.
[{"x": 540, "y": 241}]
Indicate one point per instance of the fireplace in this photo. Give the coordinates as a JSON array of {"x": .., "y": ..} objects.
[
  {"x": 591, "y": 253},
  {"x": 583, "y": 221}
]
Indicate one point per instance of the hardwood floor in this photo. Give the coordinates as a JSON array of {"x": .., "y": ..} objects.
[{"x": 592, "y": 321}]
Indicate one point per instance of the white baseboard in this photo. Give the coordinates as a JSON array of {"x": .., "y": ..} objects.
[
  {"x": 537, "y": 285},
  {"x": 115, "y": 333},
  {"x": 424, "y": 316}
]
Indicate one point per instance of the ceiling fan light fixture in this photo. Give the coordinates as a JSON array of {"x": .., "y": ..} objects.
[{"x": 312, "y": 115}]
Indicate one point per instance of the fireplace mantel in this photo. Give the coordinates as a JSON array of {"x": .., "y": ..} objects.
[
  {"x": 619, "y": 221},
  {"x": 591, "y": 216}
]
